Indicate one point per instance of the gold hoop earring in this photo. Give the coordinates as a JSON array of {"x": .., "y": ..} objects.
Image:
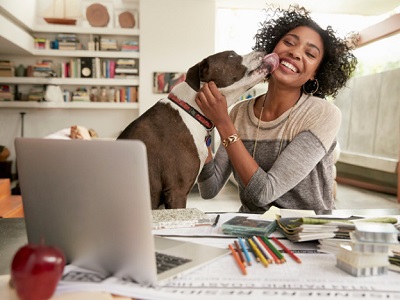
[{"x": 311, "y": 87}]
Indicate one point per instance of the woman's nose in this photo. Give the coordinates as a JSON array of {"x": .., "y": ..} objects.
[{"x": 295, "y": 53}]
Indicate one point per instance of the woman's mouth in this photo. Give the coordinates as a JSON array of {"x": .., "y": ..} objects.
[{"x": 289, "y": 66}]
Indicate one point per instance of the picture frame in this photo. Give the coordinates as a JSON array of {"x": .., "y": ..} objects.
[{"x": 164, "y": 82}]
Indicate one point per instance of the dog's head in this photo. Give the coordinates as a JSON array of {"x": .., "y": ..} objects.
[{"x": 232, "y": 73}]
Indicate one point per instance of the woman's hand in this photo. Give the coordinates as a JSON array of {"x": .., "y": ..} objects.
[{"x": 213, "y": 104}]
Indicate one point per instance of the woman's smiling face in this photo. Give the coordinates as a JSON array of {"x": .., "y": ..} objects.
[{"x": 300, "y": 52}]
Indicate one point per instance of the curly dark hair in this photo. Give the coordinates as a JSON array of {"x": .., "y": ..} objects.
[{"x": 337, "y": 64}]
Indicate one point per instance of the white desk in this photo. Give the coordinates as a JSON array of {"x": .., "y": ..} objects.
[{"x": 316, "y": 278}]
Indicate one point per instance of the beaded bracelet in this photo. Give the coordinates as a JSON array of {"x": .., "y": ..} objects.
[{"x": 230, "y": 140}]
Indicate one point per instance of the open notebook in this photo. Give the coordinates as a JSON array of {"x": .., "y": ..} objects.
[{"x": 92, "y": 200}]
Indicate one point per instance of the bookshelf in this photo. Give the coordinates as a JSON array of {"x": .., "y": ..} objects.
[
  {"x": 68, "y": 105},
  {"x": 67, "y": 61},
  {"x": 102, "y": 63},
  {"x": 41, "y": 118}
]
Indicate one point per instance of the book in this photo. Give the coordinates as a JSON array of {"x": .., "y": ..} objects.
[
  {"x": 86, "y": 67},
  {"x": 245, "y": 227}
]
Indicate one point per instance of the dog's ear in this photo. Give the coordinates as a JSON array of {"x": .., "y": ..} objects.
[
  {"x": 193, "y": 77},
  {"x": 196, "y": 74}
]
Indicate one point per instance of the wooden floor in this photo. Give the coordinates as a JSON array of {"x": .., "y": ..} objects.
[{"x": 10, "y": 205}]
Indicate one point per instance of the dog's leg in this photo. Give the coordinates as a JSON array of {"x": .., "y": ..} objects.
[{"x": 176, "y": 198}]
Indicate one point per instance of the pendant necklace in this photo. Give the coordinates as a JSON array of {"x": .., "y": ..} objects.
[{"x": 284, "y": 130}]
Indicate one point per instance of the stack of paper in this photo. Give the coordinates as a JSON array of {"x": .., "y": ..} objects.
[
  {"x": 310, "y": 228},
  {"x": 368, "y": 251},
  {"x": 323, "y": 227}
]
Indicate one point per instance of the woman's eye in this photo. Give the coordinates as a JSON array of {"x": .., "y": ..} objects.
[
  {"x": 310, "y": 55},
  {"x": 287, "y": 42}
]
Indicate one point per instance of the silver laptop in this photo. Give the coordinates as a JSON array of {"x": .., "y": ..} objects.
[{"x": 92, "y": 200}]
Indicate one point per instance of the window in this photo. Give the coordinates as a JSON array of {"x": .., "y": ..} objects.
[{"x": 236, "y": 29}]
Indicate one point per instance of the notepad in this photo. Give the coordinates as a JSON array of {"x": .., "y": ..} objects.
[{"x": 178, "y": 218}]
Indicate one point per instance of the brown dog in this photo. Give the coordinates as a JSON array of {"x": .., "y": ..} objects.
[{"x": 176, "y": 132}]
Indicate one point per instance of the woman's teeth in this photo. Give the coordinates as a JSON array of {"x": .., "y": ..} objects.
[{"x": 289, "y": 65}]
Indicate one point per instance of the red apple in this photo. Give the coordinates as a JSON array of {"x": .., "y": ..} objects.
[{"x": 36, "y": 271}]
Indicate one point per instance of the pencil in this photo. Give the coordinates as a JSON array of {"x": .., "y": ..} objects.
[
  {"x": 257, "y": 252},
  {"x": 237, "y": 259},
  {"x": 252, "y": 251},
  {"x": 291, "y": 254},
  {"x": 239, "y": 251},
  {"x": 273, "y": 248},
  {"x": 266, "y": 254},
  {"x": 271, "y": 253},
  {"x": 246, "y": 253}
]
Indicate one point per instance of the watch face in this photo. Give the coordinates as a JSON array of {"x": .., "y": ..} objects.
[{"x": 86, "y": 72}]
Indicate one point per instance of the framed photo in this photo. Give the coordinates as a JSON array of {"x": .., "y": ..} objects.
[
  {"x": 126, "y": 18},
  {"x": 164, "y": 82}
]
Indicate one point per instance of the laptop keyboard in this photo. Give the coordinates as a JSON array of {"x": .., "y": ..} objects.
[{"x": 166, "y": 262}]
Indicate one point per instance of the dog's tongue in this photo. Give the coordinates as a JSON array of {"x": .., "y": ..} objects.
[{"x": 271, "y": 61}]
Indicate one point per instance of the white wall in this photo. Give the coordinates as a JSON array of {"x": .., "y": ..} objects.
[
  {"x": 22, "y": 10},
  {"x": 174, "y": 35}
]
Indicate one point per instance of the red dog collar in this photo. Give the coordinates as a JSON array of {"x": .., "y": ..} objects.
[{"x": 192, "y": 111}]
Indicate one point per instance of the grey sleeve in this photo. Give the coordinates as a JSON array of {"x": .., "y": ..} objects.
[
  {"x": 292, "y": 166},
  {"x": 215, "y": 174}
]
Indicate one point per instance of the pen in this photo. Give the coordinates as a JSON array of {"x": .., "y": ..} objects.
[
  {"x": 258, "y": 253},
  {"x": 291, "y": 254},
  {"x": 246, "y": 253},
  {"x": 216, "y": 221},
  {"x": 237, "y": 259}
]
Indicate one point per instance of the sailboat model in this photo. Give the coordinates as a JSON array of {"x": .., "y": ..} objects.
[{"x": 63, "y": 12}]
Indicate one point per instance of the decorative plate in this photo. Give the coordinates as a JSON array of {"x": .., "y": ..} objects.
[
  {"x": 126, "y": 20},
  {"x": 97, "y": 15}
]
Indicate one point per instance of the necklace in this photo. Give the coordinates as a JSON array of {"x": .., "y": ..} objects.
[{"x": 284, "y": 130}]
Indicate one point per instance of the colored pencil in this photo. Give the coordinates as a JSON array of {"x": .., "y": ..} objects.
[
  {"x": 258, "y": 252},
  {"x": 270, "y": 252},
  {"x": 263, "y": 250},
  {"x": 239, "y": 251},
  {"x": 291, "y": 254},
  {"x": 273, "y": 248},
  {"x": 237, "y": 259},
  {"x": 246, "y": 253},
  {"x": 252, "y": 251}
]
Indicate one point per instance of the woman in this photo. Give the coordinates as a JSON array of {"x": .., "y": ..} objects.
[{"x": 279, "y": 145}]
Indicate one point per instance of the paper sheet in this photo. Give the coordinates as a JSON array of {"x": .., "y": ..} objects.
[{"x": 315, "y": 278}]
